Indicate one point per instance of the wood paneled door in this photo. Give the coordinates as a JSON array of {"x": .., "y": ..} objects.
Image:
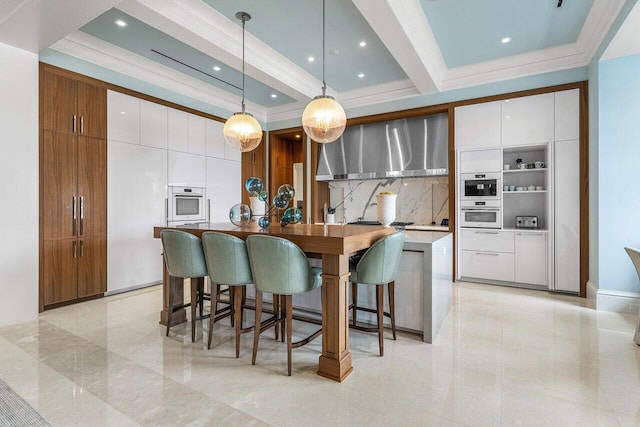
[
  {"x": 73, "y": 188},
  {"x": 253, "y": 164}
]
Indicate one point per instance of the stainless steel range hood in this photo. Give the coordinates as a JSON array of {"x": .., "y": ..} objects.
[{"x": 416, "y": 146}]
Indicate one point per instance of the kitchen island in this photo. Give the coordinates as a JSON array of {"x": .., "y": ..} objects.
[{"x": 333, "y": 245}]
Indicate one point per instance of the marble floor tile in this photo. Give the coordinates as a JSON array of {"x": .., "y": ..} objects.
[{"x": 503, "y": 357}]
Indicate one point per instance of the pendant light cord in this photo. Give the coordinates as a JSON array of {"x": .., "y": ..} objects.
[
  {"x": 324, "y": 83},
  {"x": 243, "y": 23}
]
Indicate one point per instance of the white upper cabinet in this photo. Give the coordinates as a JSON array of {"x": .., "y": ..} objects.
[
  {"x": 528, "y": 120},
  {"x": 123, "y": 120},
  {"x": 196, "y": 129},
  {"x": 567, "y": 111},
  {"x": 215, "y": 139},
  {"x": 184, "y": 169},
  {"x": 480, "y": 161},
  {"x": 477, "y": 126},
  {"x": 178, "y": 130},
  {"x": 153, "y": 124},
  {"x": 223, "y": 187}
]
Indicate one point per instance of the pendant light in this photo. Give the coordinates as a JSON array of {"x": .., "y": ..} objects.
[
  {"x": 242, "y": 131},
  {"x": 324, "y": 119}
]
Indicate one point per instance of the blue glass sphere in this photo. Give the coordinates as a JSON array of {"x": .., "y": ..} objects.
[
  {"x": 280, "y": 202},
  {"x": 286, "y": 191},
  {"x": 254, "y": 185},
  {"x": 263, "y": 196},
  {"x": 292, "y": 215},
  {"x": 240, "y": 215},
  {"x": 264, "y": 222}
]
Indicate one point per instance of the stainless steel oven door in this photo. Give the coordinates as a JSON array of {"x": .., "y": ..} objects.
[
  {"x": 480, "y": 214},
  {"x": 186, "y": 204}
]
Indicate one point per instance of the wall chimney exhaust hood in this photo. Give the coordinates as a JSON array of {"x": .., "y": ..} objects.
[{"x": 412, "y": 147}]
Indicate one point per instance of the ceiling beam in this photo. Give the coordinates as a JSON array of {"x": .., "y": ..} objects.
[
  {"x": 196, "y": 24},
  {"x": 405, "y": 31},
  {"x": 34, "y": 25}
]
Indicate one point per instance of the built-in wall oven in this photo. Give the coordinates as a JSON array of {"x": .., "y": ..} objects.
[
  {"x": 186, "y": 205},
  {"x": 480, "y": 214},
  {"x": 484, "y": 185}
]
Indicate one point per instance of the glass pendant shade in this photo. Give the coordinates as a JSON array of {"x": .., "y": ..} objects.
[
  {"x": 324, "y": 119},
  {"x": 242, "y": 132}
]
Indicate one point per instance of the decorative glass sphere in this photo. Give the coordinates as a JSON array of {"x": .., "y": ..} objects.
[
  {"x": 292, "y": 215},
  {"x": 242, "y": 132},
  {"x": 240, "y": 215},
  {"x": 324, "y": 119},
  {"x": 254, "y": 185},
  {"x": 280, "y": 202},
  {"x": 263, "y": 196},
  {"x": 286, "y": 191},
  {"x": 264, "y": 222}
]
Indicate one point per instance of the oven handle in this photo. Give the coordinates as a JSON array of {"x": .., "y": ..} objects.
[
  {"x": 189, "y": 196},
  {"x": 481, "y": 209}
]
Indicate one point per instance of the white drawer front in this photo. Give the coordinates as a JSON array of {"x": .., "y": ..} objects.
[
  {"x": 487, "y": 240},
  {"x": 488, "y": 265}
]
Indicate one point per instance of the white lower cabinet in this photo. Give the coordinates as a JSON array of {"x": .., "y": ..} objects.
[
  {"x": 531, "y": 257},
  {"x": 488, "y": 265},
  {"x": 487, "y": 240}
]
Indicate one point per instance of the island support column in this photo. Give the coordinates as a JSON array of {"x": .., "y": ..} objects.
[{"x": 335, "y": 362}]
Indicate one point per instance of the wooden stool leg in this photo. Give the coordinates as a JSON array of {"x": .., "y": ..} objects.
[
  {"x": 170, "y": 308},
  {"x": 283, "y": 307},
  {"x": 289, "y": 314},
  {"x": 257, "y": 325},
  {"x": 392, "y": 307},
  {"x": 212, "y": 315},
  {"x": 201, "y": 295},
  {"x": 354, "y": 300},
  {"x": 237, "y": 313},
  {"x": 194, "y": 305},
  {"x": 379, "y": 312},
  {"x": 276, "y": 312},
  {"x": 244, "y": 302}
]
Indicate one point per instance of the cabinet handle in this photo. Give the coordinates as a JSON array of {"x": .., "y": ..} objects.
[
  {"x": 529, "y": 234},
  {"x": 81, "y": 248},
  {"x": 75, "y": 249},
  {"x": 81, "y": 215},
  {"x": 485, "y": 253},
  {"x": 74, "y": 215},
  {"x": 166, "y": 211},
  {"x": 209, "y": 210},
  {"x": 487, "y": 232},
  {"x": 82, "y": 124},
  {"x": 74, "y": 123}
]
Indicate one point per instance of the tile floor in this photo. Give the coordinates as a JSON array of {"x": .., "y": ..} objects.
[{"x": 503, "y": 357}]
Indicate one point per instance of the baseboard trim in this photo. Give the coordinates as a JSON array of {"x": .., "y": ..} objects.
[
  {"x": 618, "y": 301},
  {"x": 132, "y": 288},
  {"x": 592, "y": 290}
]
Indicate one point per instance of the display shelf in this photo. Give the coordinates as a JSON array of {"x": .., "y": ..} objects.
[
  {"x": 525, "y": 170},
  {"x": 525, "y": 192}
]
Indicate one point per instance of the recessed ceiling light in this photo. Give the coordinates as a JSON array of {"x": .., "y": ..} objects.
[
  {"x": 505, "y": 40},
  {"x": 507, "y": 117},
  {"x": 298, "y": 136},
  {"x": 311, "y": 59},
  {"x": 216, "y": 68},
  {"x": 273, "y": 95},
  {"x": 122, "y": 112},
  {"x": 361, "y": 75},
  {"x": 121, "y": 23},
  {"x": 363, "y": 43}
]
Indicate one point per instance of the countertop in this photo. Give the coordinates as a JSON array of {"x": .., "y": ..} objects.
[
  {"x": 444, "y": 228},
  {"x": 422, "y": 240}
]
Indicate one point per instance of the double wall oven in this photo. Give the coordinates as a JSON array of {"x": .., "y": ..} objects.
[{"x": 480, "y": 205}]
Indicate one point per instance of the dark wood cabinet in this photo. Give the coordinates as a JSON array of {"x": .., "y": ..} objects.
[
  {"x": 73, "y": 189},
  {"x": 253, "y": 164}
]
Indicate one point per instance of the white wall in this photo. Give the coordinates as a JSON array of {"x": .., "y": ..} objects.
[{"x": 19, "y": 192}]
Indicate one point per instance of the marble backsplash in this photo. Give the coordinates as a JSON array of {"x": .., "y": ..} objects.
[{"x": 421, "y": 200}]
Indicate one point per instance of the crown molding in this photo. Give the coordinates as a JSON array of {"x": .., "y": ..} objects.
[
  {"x": 600, "y": 19},
  {"x": 9, "y": 7},
  {"x": 106, "y": 55},
  {"x": 197, "y": 24},
  {"x": 362, "y": 97}
]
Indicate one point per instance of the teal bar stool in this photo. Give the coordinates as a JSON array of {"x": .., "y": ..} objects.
[
  {"x": 634, "y": 254},
  {"x": 282, "y": 269},
  {"x": 228, "y": 264},
  {"x": 378, "y": 266},
  {"x": 184, "y": 258}
]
